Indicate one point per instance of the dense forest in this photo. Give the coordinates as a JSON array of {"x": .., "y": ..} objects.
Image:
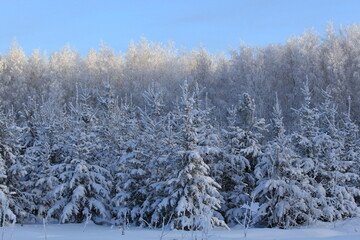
[{"x": 262, "y": 135}]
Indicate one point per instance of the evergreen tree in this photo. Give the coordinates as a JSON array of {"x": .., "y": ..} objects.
[
  {"x": 7, "y": 158},
  {"x": 309, "y": 144},
  {"x": 18, "y": 171},
  {"x": 83, "y": 190},
  {"x": 154, "y": 140},
  {"x": 191, "y": 194},
  {"x": 334, "y": 170},
  {"x": 132, "y": 170},
  {"x": 351, "y": 153},
  {"x": 35, "y": 154},
  {"x": 282, "y": 184},
  {"x": 241, "y": 154}
]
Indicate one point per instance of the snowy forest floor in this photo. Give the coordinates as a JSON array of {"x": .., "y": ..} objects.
[{"x": 341, "y": 230}]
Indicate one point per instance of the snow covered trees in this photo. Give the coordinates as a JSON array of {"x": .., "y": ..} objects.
[
  {"x": 120, "y": 155},
  {"x": 328, "y": 62},
  {"x": 191, "y": 195},
  {"x": 241, "y": 154},
  {"x": 8, "y": 153},
  {"x": 83, "y": 186},
  {"x": 351, "y": 148},
  {"x": 282, "y": 182},
  {"x": 319, "y": 144},
  {"x": 131, "y": 171},
  {"x": 155, "y": 143},
  {"x": 118, "y": 163},
  {"x": 335, "y": 173}
]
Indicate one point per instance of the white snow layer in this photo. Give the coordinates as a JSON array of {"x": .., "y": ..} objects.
[{"x": 341, "y": 230}]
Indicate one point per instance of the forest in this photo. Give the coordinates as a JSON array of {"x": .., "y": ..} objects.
[{"x": 265, "y": 136}]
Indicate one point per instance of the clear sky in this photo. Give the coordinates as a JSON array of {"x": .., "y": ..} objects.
[{"x": 216, "y": 24}]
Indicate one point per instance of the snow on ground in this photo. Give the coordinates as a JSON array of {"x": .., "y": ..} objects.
[{"x": 343, "y": 230}]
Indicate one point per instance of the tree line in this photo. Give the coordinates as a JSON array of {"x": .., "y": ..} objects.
[{"x": 327, "y": 62}]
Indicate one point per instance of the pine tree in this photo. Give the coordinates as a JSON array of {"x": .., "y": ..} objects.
[
  {"x": 35, "y": 155},
  {"x": 107, "y": 131},
  {"x": 7, "y": 158},
  {"x": 83, "y": 190},
  {"x": 282, "y": 194},
  {"x": 40, "y": 139},
  {"x": 153, "y": 143},
  {"x": 333, "y": 171},
  {"x": 18, "y": 171},
  {"x": 242, "y": 151},
  {"x": 351, "y": 153},
  {"x": 191, "y": 194},
  {"x": 209, "y": 147},
  {"x": 309, "y": 144},
  {"x": 132, "y": 170}
]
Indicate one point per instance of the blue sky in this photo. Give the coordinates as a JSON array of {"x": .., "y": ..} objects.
[{"x": 217, "y": 25}]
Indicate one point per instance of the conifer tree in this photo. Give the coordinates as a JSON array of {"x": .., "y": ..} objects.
[
  {"x": 309, "y": 145},
  {"x": 35, "y": 154},
  {"x": 334, "y": 170},
  {"x": 7, "y": 158},
  {"x": 18, "y": 171},
  {"x": 282, "y": 194},
  {"x": 153, "y": 143},
  {"x": 350, "y": 154},
  {"x": 132, "y": 170},
  {"x": 242, "y": 152},
  {"x": 191, "y": 194},
  {"x": 83, "y": 190}
]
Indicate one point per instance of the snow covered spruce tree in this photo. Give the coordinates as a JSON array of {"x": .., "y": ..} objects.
[
  {"x": 155, "y": 143},
  {"x": 241, "y": 154},
  {"x": 132, "y": 172},
  {"x": 334, "y": 171},
  {"x": 8, "y": 153},
  {"x": 159, "y": 181},
  {"x": 350, "y": 154},
  {"x": 209, "y": 147},
  {"x": 120, "y": 137},
  {"x": 83, "y": 189},
  {"x": 107, "y": 130},
  {"x": 18, "y": 169},
  {"x": 116, "y": 122},
  {"x": 35, "y": 141},
  {"x": 41, "y": 139},
  {"x": 190, "y": 195},
  {"x": 350, "y": 135},
  {"x": 283, "y": 200},
  {"x": 309, "y": 144}
]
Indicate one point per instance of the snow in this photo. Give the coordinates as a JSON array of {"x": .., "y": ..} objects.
[{"x": 341, "y": 230}]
